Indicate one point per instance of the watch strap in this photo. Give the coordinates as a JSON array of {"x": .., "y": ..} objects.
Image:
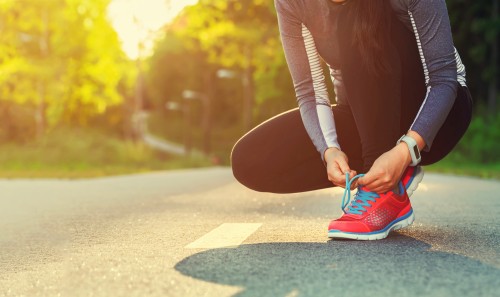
[{"x": 413, "y": 148}]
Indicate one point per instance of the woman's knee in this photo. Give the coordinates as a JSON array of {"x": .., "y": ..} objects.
[{"x": 246, "y": 168}]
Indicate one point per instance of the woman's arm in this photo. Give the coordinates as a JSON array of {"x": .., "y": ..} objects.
[
  {"x": 307, "y": 74},
  {"x": 431, "y": 26},
  {"x": 310, "y": 88}
]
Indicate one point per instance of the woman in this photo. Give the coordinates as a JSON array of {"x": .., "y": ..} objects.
[{"x": 402, "y": 101}]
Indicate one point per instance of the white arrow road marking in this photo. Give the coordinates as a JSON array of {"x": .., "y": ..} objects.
[{"x": 226, "y": 235}]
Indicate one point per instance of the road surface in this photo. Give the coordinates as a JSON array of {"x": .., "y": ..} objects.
[{"x": 200, "y": 233}]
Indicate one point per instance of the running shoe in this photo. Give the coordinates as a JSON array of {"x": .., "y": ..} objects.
[
  {"x": 411, "y": 178},
  {"x": 372, "y": 216}
]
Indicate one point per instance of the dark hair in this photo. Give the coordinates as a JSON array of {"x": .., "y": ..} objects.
[{"x": 371, "y": 32}]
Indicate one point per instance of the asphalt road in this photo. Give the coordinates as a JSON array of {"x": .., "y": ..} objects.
[{"x": 128, "y": 236}]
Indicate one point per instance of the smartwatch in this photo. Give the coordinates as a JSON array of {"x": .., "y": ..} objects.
[{"x": 412, "y": 146}]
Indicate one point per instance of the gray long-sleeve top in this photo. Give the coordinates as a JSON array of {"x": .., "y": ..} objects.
[{"x": 306, "y": 28}]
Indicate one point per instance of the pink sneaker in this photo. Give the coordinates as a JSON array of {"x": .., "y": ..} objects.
[{"x": 372, "y": 216}]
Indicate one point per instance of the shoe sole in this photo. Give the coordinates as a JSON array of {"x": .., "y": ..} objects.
[
  {"x": 397, "y": 224},
  {"x": 415, "y": 181}
]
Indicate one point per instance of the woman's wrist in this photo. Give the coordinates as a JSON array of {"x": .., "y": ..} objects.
[
  {"x": 419, "y": 139},
  {"x": 404, "y": 152},
  {"x": 330, "y": 153}
]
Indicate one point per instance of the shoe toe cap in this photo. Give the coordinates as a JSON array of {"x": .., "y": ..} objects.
[{"x": 348, "y": 226}]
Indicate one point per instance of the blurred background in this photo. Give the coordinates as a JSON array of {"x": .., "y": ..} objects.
[{"x": 101, "y": 87}]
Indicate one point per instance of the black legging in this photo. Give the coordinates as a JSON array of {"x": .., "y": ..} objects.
[{"x": 278, "y": 156}]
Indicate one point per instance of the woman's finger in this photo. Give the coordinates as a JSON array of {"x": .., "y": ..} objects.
[
  {"x": 376, "y": 189},
  {"x": 337, "y": 177},
  {"x": 373, "y": 185},
  {"x": 379, "y": 187},
  {"x": 368, "y": 179},
  {"x": 343, "y": 166}
]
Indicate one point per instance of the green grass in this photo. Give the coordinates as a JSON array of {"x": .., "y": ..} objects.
[
  {"x": 81, "y": 153},
  {"x": 455, "y": 164}
]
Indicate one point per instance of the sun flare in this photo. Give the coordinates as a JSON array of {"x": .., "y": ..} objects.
[{"x": 137, "y": 21}]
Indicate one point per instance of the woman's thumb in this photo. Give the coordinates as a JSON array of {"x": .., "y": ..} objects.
[{"x": 365, "y": 179}]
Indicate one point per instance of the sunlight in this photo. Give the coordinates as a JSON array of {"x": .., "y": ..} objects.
[{"x": 137, "y": 21}]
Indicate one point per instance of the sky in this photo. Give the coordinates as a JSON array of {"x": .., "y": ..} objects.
[{"x": 149, "y": 16}]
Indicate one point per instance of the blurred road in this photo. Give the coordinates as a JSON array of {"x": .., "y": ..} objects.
[{"x": 166, "y": 234}]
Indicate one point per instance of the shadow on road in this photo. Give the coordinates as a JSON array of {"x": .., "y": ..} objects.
[{"x": 397, "y": 266}]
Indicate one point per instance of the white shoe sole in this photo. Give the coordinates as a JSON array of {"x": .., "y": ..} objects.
[
  {"x": 416, "y": 180},
  {"x": 397, "y": 224}
]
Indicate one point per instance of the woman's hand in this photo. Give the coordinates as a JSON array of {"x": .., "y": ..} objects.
[
  {"x": 337, "y": 166},
  {"x": 387, "y": 169}
]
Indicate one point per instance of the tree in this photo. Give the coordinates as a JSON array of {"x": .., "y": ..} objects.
[
  {"x": 60, "y": 56},
  {"x": 476, "y": 30},
  {"x": 241, "y": 35}
]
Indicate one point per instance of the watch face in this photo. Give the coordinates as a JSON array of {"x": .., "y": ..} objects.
[{"x": 417, "y": 153}]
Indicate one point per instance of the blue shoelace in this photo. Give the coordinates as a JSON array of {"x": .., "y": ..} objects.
[{"x": 360, "y": 201}]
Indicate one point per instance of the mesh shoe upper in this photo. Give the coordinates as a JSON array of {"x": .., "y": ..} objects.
[{"x": 375, "y": 216}]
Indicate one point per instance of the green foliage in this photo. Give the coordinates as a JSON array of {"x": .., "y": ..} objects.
[
  {"x": 475, "y": 30},
  {"x": 238, "y": 35},
  {"x": 61, "y": 58},
  {"x": 173, "y": 68},
  {"x": 450, "y": 165},
  {"x": 481, "y": 143},
  {"x": 477, "y": 153}
]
